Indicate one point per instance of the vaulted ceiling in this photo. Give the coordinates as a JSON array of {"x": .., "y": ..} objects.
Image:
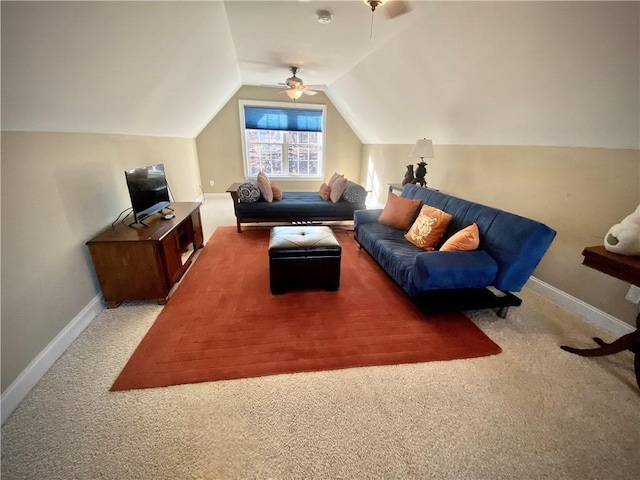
[{"x": 507, "y": 73}]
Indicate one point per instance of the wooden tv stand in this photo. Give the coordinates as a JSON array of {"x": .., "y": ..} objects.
[{"x": 145, "y": 262}]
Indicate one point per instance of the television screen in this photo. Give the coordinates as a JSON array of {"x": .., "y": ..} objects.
[{"x": 148, "y": 190}]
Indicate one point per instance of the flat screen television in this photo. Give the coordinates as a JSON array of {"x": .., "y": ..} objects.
[{"x": 148, "y": 191}]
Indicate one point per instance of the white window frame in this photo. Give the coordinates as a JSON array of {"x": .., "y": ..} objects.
[{"x": 289, "y": 106}]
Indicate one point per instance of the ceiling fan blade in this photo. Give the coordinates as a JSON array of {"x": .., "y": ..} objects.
[
  {"x": 306, "y": 91},
  {"x": 320, "y": 88},
  {"x": 396, "y": 8}
]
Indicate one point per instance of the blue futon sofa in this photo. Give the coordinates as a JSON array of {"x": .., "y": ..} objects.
[{"x": 510, "y": 248}]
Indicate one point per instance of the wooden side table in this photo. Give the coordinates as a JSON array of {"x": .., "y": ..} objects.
[
  {"x": 395, "y": 186},
  {"x": 626, "y": 268},
  {"x": 398, "y": 187}
]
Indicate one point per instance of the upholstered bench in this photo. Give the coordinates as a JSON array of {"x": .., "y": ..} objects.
[{"x": 303, "y": 257}]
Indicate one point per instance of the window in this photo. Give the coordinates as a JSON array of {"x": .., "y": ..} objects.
[{"x": 281, "y": 140}]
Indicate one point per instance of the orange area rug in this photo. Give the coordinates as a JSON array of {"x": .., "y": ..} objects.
[{"x": 223, "y": 323}]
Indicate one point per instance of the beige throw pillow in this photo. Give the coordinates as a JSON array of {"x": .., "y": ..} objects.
[
  {"x": 429, "y": 228},
  {"x": 264, "y": 185},
  {"x": 337, "y": 189},
  {"x": 333, "y": 179}
]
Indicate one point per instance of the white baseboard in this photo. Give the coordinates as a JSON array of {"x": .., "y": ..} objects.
[
  {"x": 217, "y": 195},
  {"x": 590, "y": 314},
  {"x": 30, "y": 376}
]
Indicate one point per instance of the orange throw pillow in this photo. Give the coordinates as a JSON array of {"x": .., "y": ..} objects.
[
  {"x": 429, "y": 228},
  {"x": 325, "y": 191},
  {"x": 466, "y": 239},
  {"x": 277, "y": 191},
  {"x": 399, "y": 212}
]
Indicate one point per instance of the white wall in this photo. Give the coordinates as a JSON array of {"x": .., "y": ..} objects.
[
  {"x": 502, "y": 73},
  {"x": 140, "y": 68},
  {"x": 58, "y": 191}
]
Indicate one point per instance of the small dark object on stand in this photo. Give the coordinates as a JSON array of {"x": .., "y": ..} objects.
[
  {"x": 421, "y": 171},
  {"x": 408, "y": 176}
]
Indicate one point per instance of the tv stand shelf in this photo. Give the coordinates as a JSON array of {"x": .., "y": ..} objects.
[{"x": 145, "y": 262}]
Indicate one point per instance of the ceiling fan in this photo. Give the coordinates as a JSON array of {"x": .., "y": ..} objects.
[
  {"x": 392, "y": 9},
  {"x": 295, "y": 88}
]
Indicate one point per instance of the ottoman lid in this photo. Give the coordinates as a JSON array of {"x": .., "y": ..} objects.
[{"x": 302, "y": 241}]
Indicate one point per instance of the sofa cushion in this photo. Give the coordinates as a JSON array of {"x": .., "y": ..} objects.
[
  {"x": 390, "y": 250},
  {"x": 428, "y": 229},
  {"x": 466, "y": 239},
  {"x": 452, "y": 270},
  {"x": 399, "y": 212},
  {"x": 298, "y": 205}
]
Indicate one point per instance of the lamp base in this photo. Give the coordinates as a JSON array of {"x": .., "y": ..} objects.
[{"x": 421, "y": 172}]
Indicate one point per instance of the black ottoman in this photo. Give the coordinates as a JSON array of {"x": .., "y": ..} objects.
[{"x": 303, "y": 257}]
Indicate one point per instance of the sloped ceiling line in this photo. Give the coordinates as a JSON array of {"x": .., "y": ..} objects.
[{"x": 492, "y": 73}]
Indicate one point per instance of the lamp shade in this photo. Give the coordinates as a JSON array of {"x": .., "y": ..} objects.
[{"x": 423, "y": 149}]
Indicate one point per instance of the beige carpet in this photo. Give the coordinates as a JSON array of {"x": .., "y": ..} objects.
[{"x": 532, "y": 412}]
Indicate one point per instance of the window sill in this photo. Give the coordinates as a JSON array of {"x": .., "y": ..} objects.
[{"x": 291, "y": 179}]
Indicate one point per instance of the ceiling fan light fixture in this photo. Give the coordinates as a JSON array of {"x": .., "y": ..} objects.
[{"x": 294, "y": 93}]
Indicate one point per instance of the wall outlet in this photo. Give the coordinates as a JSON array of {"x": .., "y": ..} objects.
[
  {"x": 212, "y": 183},
  {"x": 633, "y": 295}
]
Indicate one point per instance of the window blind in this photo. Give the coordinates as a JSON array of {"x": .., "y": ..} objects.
[{"x": 296, "y": 120}]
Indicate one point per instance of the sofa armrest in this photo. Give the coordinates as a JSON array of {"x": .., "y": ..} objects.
[
  {"x": 365, "y": 216},
  {"x": 452, "y": 270},
  {"x": 233, "y": 191}
]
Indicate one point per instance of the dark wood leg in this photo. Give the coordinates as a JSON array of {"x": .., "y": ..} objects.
[{"x": 630, "y": 341}]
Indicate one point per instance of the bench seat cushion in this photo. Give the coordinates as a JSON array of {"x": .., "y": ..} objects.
[{"x": 299, "y": 205}]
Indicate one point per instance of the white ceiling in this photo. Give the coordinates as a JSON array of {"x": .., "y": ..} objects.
[{"x": 506, "y": 73}]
